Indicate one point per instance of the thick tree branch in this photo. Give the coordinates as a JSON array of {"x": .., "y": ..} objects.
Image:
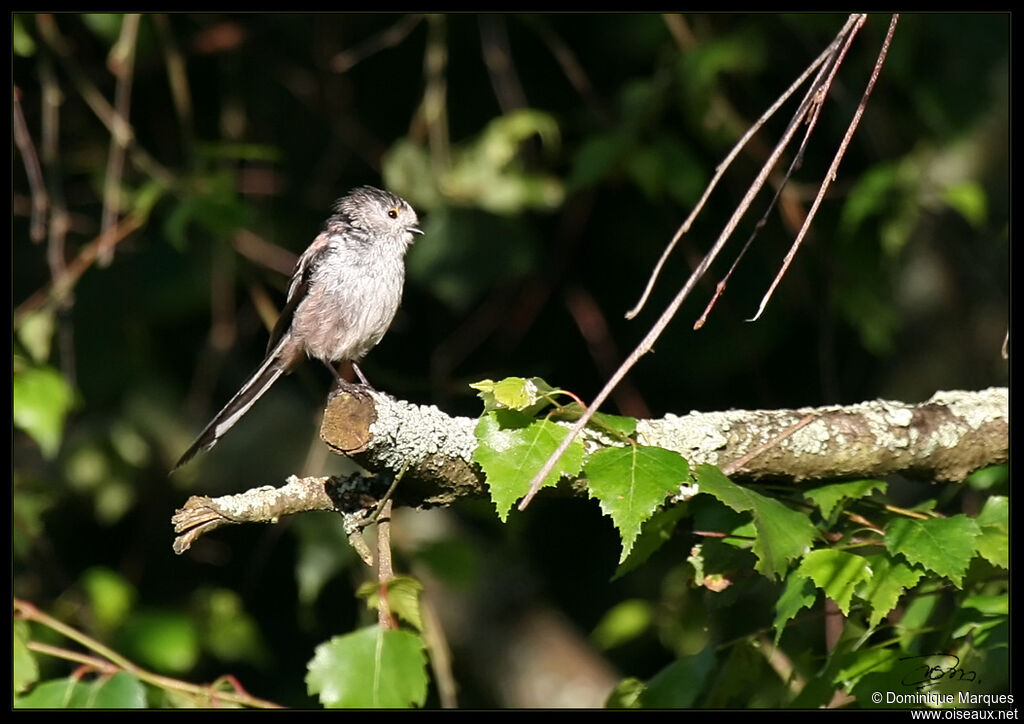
[{"x": 942, "y": 439}]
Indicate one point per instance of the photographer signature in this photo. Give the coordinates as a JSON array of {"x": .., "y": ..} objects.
[{"x": 923, "y": 675}]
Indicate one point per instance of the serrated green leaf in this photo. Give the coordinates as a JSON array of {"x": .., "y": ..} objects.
[
  {"x": 656, "y": 531},
  {"x": 782, "y": 534},
  {"x": 514, "y": 393},
  {"x": 829, "y": 496},
  {"x": 889, "y": 579},
  {"x": 798, "y": 593},
  {"x": 513, "y": 447},
  {"x": 623, "y": 622},
  {"x": 943, "y": 545},
  {"x": 678, "y": 685},
  {"x": 837, "y": 573},
  {"x": 994, "y": 541},
  {"x": 42, "y": 400},
  {"x": 369, "y": 668},
  {"x": 403, "y": 594},
  {"x": 631, "y": 482}
]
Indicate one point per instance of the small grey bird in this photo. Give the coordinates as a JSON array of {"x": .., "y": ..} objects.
[{"x": 344, "y": 292}]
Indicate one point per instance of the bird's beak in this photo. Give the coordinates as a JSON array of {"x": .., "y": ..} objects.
[{"x": 415, "y": 230}]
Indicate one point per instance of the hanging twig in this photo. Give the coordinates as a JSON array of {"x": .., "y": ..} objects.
[
  {"x": 831, "y": 175},
  {"x": 722, "y": 167},
  {"x": 645, "y": 346}
]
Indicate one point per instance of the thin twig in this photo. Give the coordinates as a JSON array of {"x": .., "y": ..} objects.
[
  {"x": 498, "y": 59},
  {"x": 388, "y": 38},
  {"x": 40, "y": 199},
  {"x": 177, "y": 78},
  {"x": 648, "y": 341},
  {"x": 817, "y": 92},
  {"x": 738, "y": 464},
  {"x": 122, "y": 65},
  {"x": 831, "y": 175},
  {"x": 99, "y": 104},
  {"x": 29, "y": 612},
  {"x": 724, "y": 165},
  {"x": 59, "y": 288},
  {"x": 434, "y": 108},
  {"x": 385, "y": 572}
]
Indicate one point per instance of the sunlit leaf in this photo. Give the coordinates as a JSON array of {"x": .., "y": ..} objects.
[
  {"x": 943, "y": 545},
  {"x": 369, "y": 668},
  {"x": 837, "y": 573},
  {"x": 513, "y": 447},
  {"x": 42, "y": 399},
  {"x": 632, "y": 482}
]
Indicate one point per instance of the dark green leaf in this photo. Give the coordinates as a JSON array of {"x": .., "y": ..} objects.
[
  {"x": 782, "y": 534},
  {"x": 829, "y": 496},
  {"x": 889, "y": 579},
  {"x": 943, "y": 545}
]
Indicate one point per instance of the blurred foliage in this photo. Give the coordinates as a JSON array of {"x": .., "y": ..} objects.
[{"x": 548, "y": 155}]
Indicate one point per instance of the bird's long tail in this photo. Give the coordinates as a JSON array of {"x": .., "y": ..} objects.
[{"x": 260, "y": 381}]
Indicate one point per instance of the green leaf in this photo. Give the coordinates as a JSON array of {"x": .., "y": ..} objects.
[
  {"x": 623, "y": 622},
  {"x": 942, "y": 545},
  {"x": 21, "y": 40},
  {"x": 798, "y": 593},
  {"x": 42, "y": 399},
  {"x": 994, "y": 541},
  {"x": 369, "y": 668},
  {"x": 889, "y": 579},
  {"x": 678, "y": 685},
  {"x": 782, "y": 534},
  {"x": 628, "y": 694},
  {"x": 111, "y": 597},
  {"x": 513, "y": 447},
  {"x": 830, "y": 496},
  {"x": 35, "y": 332},
  {"x": 163, "y": 640},
  {"x": 229, "y": 632},
  {"x": 403, "y": 594},
  {"x": 631, "y": 482},
  {"x": 26, "y": 669},
  {"x": 968, "y": 198},
  {"x": 514, "y": 393},
  {"x": 837, "y": 573},
  {"x": 979, "y": 616},
  {"x": 120, "y": 691},
  {"x": 656, "y": 531}
]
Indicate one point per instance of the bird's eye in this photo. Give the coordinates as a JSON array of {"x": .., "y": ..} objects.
[{"x": 393, "y": 213}]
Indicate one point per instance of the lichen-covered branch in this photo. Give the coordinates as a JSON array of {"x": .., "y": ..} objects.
[{"x": 942, "y": 439}]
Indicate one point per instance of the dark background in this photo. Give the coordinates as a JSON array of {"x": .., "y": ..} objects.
[{"x": 901, "y": 288}]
